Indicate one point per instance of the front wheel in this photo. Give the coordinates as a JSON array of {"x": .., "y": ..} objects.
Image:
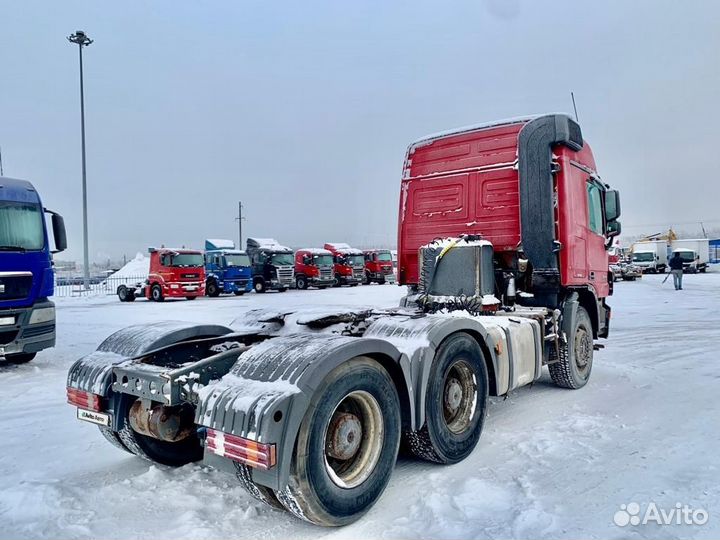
[
  {"x": 347, "y": 445},
  {"x": 156, "y": 293},
  {"x": 212, "y": 289},
  {"x": 259, "y": 286},
  {"x": 123, "y": 293},
  {"x": 573, "y": 366},
  {"x": 301, "y": 282}
]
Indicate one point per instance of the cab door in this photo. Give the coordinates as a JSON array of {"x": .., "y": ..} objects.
[{"x": 596, "y": 252}]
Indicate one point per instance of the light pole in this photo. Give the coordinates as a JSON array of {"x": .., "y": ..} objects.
[
  {"x": 239, "y": 219},
  {"x": 81, "y": 40}
]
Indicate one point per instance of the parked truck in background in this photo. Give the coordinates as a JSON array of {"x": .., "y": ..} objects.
[
  {"x": 174, "y": 273},
  {"x": 314, "y": 268},
  {"x": 378, "y": 266},
  {"x": 227, "y": 270},
  {"x": 349, "y": 264},
  {"x": 694, "y": 252},
  {"x": 650, "y": 256},
  {"x": 273, "y": 265},
  {"x": 27, "y": 315},
  {"x": 307, "y": 410}
]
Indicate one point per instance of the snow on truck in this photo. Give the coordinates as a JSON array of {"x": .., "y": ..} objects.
[
  {"x": 349, "y": 264},
  {"x": 273, "y": 265},
  {"x": 174, "y": 273},
  {"x": 502, "y": 233},
  {"x": 227, "y": 270},
  {"x": 313, "y": 268}
]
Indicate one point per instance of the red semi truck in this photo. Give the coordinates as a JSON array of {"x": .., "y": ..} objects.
[
  {"x": 314, "y": 268},
  {"x": 502, "y": 231},
  {"x": 349, "y": 264},
  {"x": 378, "y": 266},
  {"x": 174, "y": 273}
]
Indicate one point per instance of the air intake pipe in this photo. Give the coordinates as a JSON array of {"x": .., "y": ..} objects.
[{"x": 537, "y": 219}]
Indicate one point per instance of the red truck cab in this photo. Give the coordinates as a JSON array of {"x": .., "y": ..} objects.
[
  {"x": 530, "y": 187},
  {"x": 378, "y": 266},
  {"x": 349, "y": 264},
  {"x": 175, "y": 273},
  {"x": 314, "y": 267}
]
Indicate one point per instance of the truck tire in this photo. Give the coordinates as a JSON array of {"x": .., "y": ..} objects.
[
  {"x": 21, "y": 358},
  {"x": 257, "y": 491},
  {"x": 346, "y": 447},
  {"x": 366, "y": 279},
  {"x": 301, "y": 282},
  {"x": 456, "y": 402},
  {"x": 156, "y": 293},
  {"x": 573, "y": 367},
  {"x": 259, "y": 286},
  {"x": 173, "y": 454},
  {"x": 212, "y": 289},
  {"x": 123, "y": 293},
  {"x": 113, "y": 438},
  {"x": 131, "y": 296}
]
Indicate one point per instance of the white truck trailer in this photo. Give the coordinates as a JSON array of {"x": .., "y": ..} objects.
[{"x": 695, "y": 253}]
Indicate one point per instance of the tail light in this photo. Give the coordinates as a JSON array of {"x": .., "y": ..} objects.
[
  {"x": 84, "y": 400},
  {"x": 251, "y": 453}
]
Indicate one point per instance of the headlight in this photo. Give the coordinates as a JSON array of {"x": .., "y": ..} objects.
[
  {"x": 174, "y": 286},
  {"x": 41, "y": 315}
]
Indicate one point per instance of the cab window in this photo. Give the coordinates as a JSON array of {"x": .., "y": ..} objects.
[{"x": 595, "y": 211}]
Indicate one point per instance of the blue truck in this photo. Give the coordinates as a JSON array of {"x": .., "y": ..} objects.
[
  {"x": 27, "y": 316},
  {"x": 227, "y": 270}
]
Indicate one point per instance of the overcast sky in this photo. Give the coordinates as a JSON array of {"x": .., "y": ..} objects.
[{"x": 303, "y": 110}]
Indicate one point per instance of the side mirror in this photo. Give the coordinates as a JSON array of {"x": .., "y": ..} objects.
[
  {"x": 59, "y": 234},
  {"x": 613, "y": 229},
  {"x": 612, "y": 205},
  {"x": 306, "y": 259}
]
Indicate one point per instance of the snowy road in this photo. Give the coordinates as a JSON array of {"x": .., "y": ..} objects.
[{"x": 551, "y": 462}]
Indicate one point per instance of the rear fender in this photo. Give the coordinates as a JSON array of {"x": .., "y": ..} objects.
[{"x": 268, "y": 391}]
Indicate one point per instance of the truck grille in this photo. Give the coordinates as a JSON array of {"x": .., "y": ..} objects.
[
  {"x": 15, "y": 285},
  {"x": 285, "y": 275},
  {"x": 387, "y": 271},
  {"x": 358, "y": 273},
  {"x": 326, "y": 273},
  {"x": 190, "y": 276}
]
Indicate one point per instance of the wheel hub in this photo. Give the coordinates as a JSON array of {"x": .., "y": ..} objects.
[
  {"x": 344, "y": 436},
  {"x": 453, "y": 395},
  {"x": 583, "y": 348}
]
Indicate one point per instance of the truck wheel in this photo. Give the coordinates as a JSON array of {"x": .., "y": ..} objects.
[
  {"x": 572, "y": 369},
  {"x": 173, "y": 454},
  {"x": 259, "y": 286},
  {"x": 212, "y": 289},
  {"x": 130, "y": 296},
  {"x": 337, "y": 282},
  {"x": 113, "y": 438},
  {"x": 346, "y": 447},
  {"x": 123, "y": 293},
  {"x": 366, "y": 279},
  {"x": 156, "y": 293},
  {"x": 301, "y": 282},
  {"x": 381, "y": 281},
  {"x": 456, "y": 402},
  {"x": 22, "y": 358},
  {"x": 257, "y": 491}
]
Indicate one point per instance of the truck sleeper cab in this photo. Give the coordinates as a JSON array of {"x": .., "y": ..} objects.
[
  {"x": 227, "y": 270},
  {"x": 27, "y": 316},
  {"x": 349, "y": 264},
  {"x": 273, "y": 265},
  {"x": 308, "y": 409},
  {"x": 378, "y": 266},
  {"x": 314, "y": 267}
]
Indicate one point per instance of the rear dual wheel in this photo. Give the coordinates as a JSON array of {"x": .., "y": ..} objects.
[{"x": 347, "y": 446}]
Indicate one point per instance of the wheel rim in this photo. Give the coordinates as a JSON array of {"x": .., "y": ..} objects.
[
  {"x": 459, "y": 397},
  {"x": 583, "y": 349},
  {"x": 353, "y": 439},
  {"x": 258, "y": 286},
  {"x": 156, "y": 293}
]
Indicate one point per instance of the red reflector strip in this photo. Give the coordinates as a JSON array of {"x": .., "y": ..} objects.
[
  {"x": 84, "y": 400},
  {"x": 246, "y": 451}
]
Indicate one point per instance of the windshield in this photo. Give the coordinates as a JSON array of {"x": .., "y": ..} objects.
[
  {"x": 282, "y": 259},
  {"x": 643, "y": 257},
  {"x": 686, "y": 256},
  {"x": 355, "y": 260},
  {"x": 385, "y": 257},
  {"x": 237, "y": 259},
  {"x": 322, "y": 260},
  {"x": 21, "y": 226},
  {"x": 186, "y": 260}
]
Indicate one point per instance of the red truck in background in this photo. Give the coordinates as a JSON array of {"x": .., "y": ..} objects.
[
  {"x": 349, "y": 264},
  {"x": 314, "y": 267},
  {"x": 174, "y": 273},
  {"x": 378, "y": 266}
]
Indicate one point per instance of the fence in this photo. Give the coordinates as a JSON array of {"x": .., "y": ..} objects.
[{"x": 68, "y": 287}]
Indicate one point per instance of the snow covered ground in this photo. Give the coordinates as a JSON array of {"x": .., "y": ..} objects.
[{"x": 551, "y": 462}]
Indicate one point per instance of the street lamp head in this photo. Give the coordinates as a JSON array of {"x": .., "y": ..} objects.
[{"x": 80, "y": 38}]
